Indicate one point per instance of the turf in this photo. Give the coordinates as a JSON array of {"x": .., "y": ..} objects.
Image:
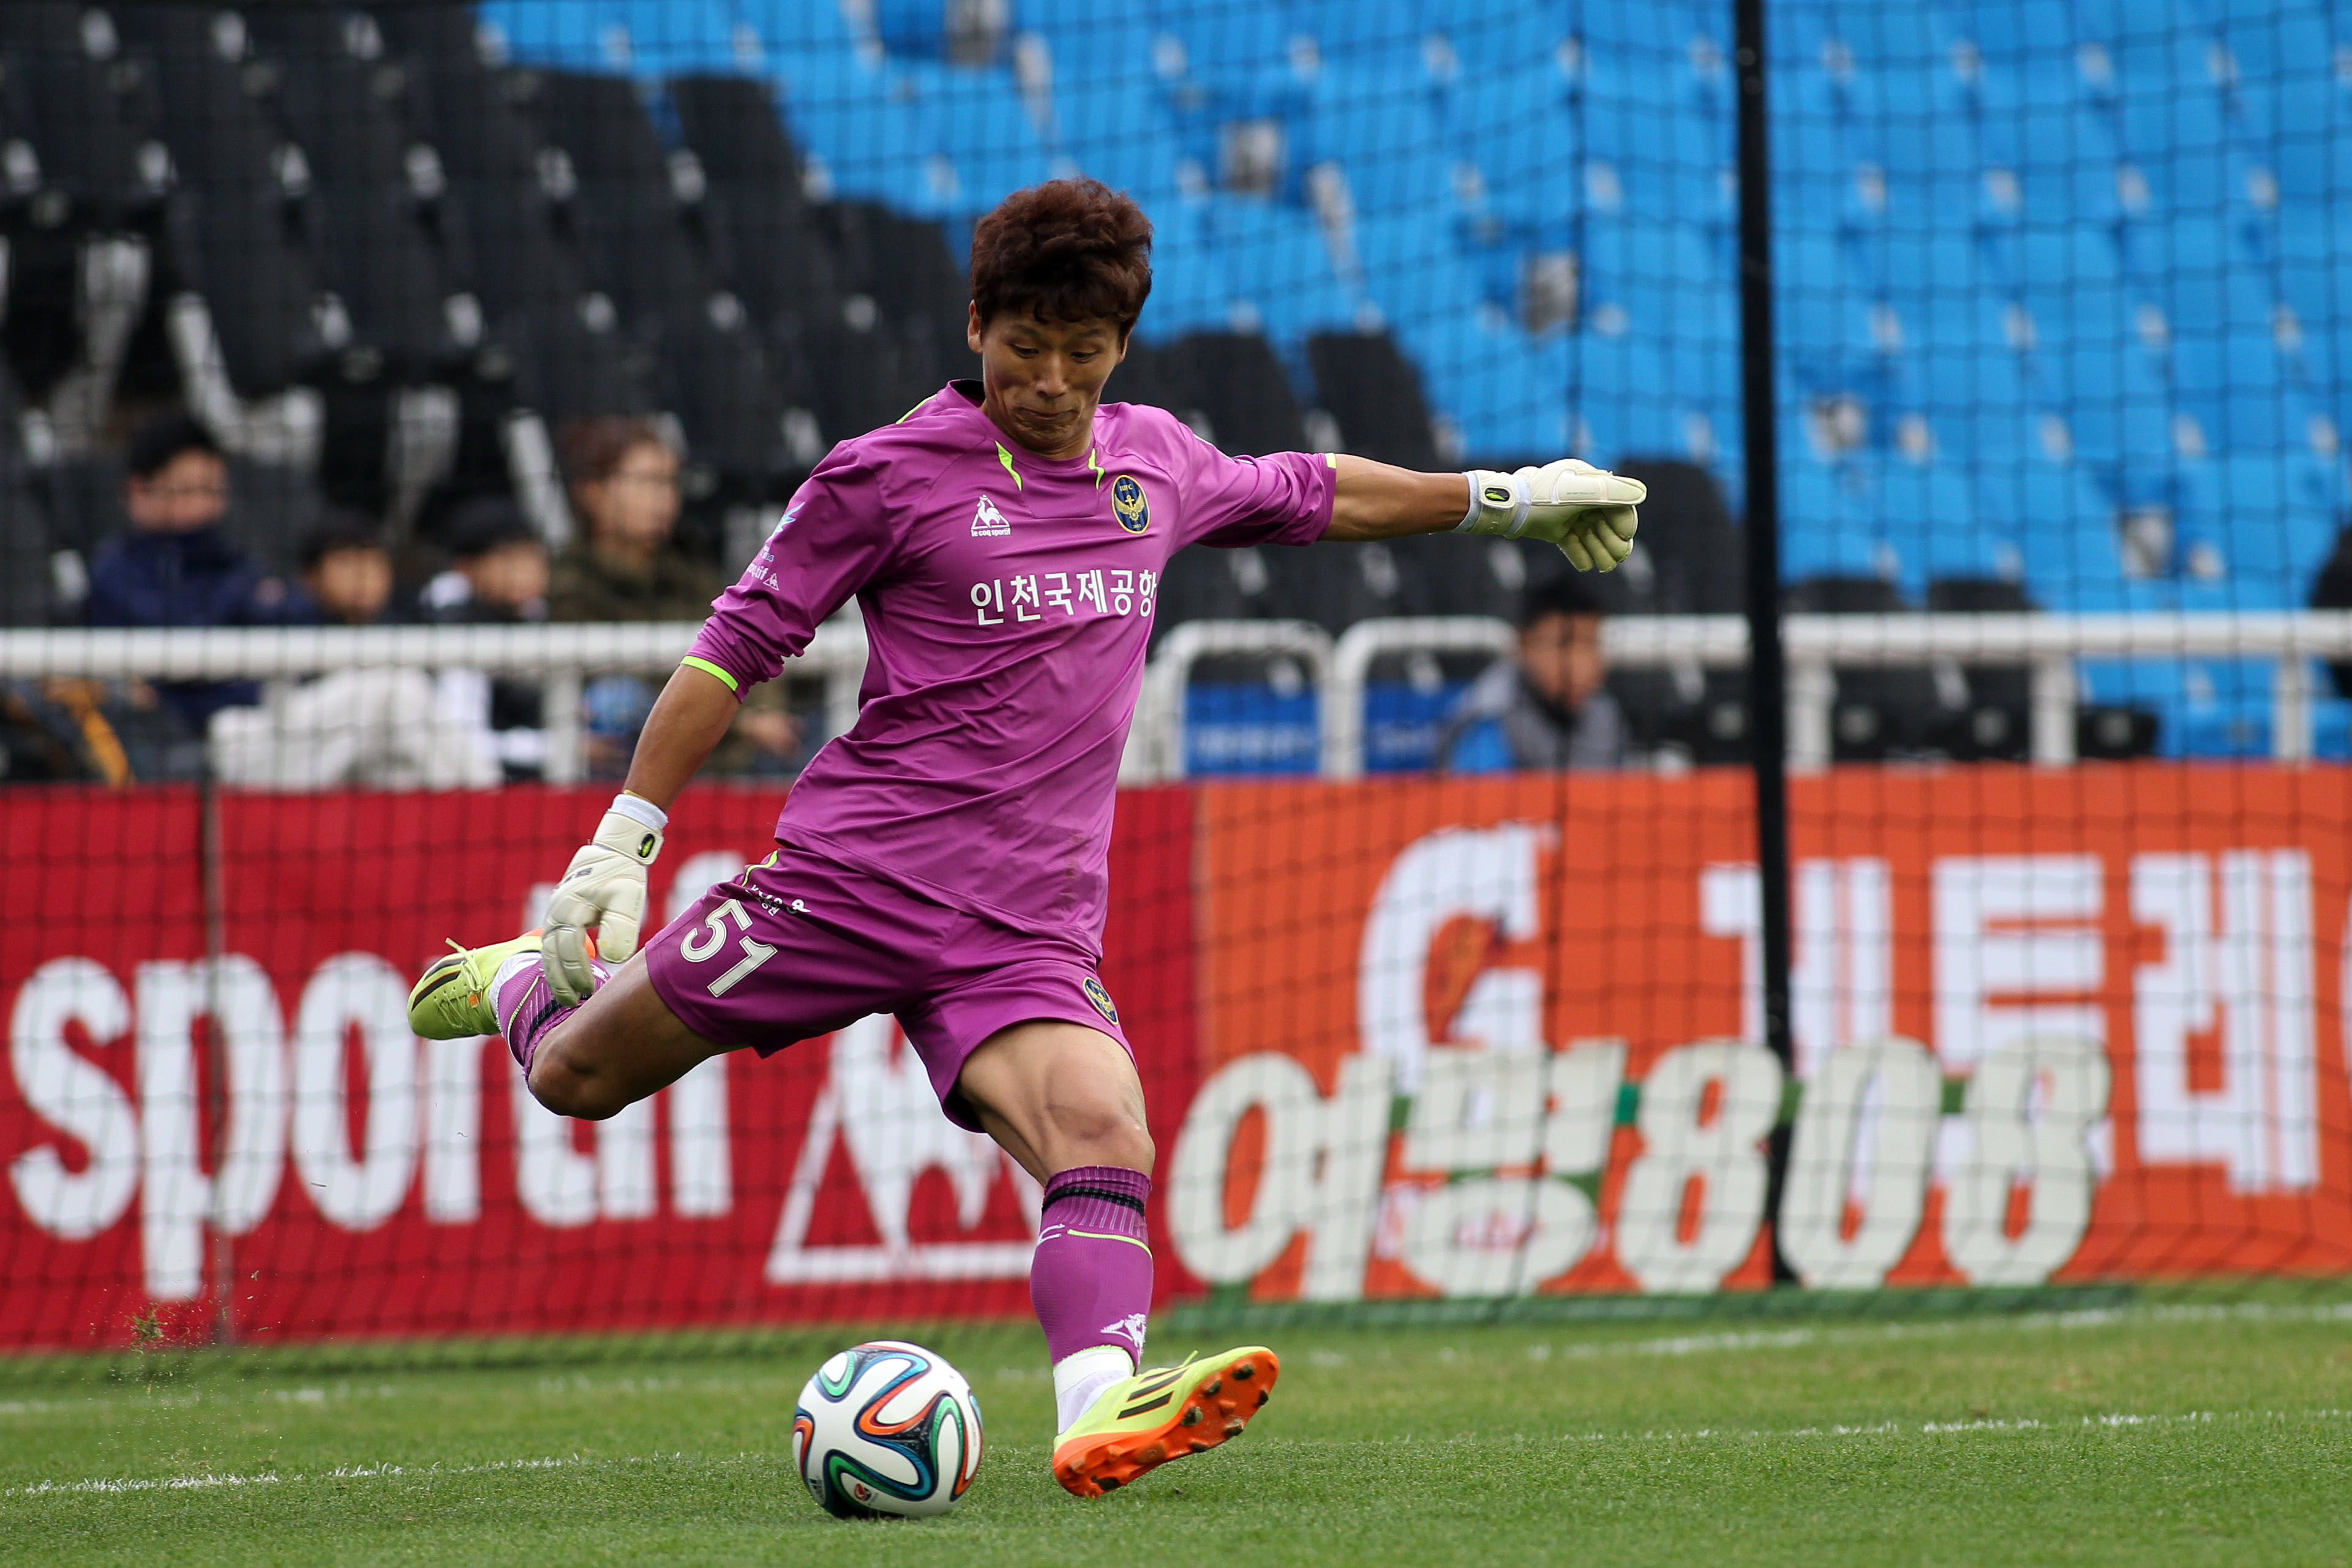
[{"x": 2182, "y": 1435}]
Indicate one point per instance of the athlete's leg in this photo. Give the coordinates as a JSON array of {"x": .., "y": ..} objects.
[
  {"x": 1064, "y": 1100},
  {"x": 1056, "y": 1096},
  {"x": 611, "y": 1051}
]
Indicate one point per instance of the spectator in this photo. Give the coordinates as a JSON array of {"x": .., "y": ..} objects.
[
  {"x": 498, "y": 577},
  {"x": 346, "y": 573},
  {"x": 623, "y": 479},
  {"x": 1545, "y": 707},
  {"x": 176, "y": 567},
  {"x": 367, "y": 726}
]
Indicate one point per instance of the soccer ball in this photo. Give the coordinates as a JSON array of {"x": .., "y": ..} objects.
[{"x": 886, "y": 1428}]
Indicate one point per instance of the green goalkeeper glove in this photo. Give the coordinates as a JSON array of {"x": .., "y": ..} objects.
[
  {"x": 1586, "y": 511},
  {"x": 605, "y": 887}
]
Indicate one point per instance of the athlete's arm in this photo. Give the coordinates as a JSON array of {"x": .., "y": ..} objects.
[
  {"x": 689, "y": 719},
  {"x": 1378, "y": 501},
  {"x": 1590, "y": 514}
]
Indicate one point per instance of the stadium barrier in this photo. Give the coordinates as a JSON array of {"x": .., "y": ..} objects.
[{"x": 1403, "y": 1038}]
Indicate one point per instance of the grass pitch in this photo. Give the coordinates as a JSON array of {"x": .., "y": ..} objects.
[{"x": 2150, "y": 1434}]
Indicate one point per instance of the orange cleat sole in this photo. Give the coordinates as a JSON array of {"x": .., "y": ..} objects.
[{"x": 1217, "y": 1410}]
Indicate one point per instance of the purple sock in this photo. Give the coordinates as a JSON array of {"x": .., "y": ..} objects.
[
  {"x": 527, "y": 1009},
  {"x": 1091, "y": 1278}
]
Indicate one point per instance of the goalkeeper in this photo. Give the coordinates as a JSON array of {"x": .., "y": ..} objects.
[{"x": 945, "y": 860}]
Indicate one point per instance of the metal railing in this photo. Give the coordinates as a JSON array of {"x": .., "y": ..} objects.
[
  {"x": 1156, "y": 741},
  {"x": 1817, "y": 647},
  {"x": 563, "y": 656}
]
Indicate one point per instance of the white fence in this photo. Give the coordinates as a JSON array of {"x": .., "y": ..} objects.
[{"x": 1816, "y": 647}]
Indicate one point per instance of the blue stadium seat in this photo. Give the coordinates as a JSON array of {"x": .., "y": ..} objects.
[
  {"x": 1107, "y": 41},
  {"x": 2071, "y": 525},
  {"x": 1384, "y": 140},
  {"x": 1494, "y": 35},
  {"x": 790, "y": 28},
  {"x": 1277, "y": 271},
  {"x": 1121, "y": 133},
  {"x": 870, "y": 143},
  {"x": 974, "y": 118},
  {"x": 1515, "y": 125},
  {"x": 2269, "y": 521},
  {"x": 1622, "y": 401},
  {"x": 565, "y": 34},
  {"x": 1237, "y": 60},
  {"x": 1188, "y": 291},
  {"x": 1827, "y": 528},
  {"x": 2204, "y": 707},
  {"x": 1383, "y": 37}
]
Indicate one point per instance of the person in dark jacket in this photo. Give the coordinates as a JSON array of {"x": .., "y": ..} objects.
[
  {"x": 177, "y": 567},
  {"x": 1545, "y": 707},
  {"x": 496, "y": 577}
]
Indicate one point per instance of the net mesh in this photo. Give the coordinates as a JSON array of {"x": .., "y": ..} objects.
[{"x": 496, "y": 322}]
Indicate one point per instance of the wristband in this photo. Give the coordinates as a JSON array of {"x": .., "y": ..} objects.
[{"x": 638, "y": 808}]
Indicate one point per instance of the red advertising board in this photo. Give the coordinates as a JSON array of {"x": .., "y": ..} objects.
[
  {"x": 1400, "y": 1037},
  {"x": 246, "y": 1123},
  {"x": 1478, "y": 1037}
]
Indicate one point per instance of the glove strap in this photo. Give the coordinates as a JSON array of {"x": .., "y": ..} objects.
[
  {"x": 636, "y": 808},
  {"x": 1498, "y": 504}
]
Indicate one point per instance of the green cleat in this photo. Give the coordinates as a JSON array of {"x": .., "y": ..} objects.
[{"x": 452, "y": 999}]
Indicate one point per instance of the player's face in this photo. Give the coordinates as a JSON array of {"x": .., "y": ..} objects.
[{"x": 1043, "y": 379}]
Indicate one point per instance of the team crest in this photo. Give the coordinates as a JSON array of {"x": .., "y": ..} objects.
[
  {"x": 1132, "y": 506},
  {"x": 1100, "y": 999},
  {"x": 987, "y": 521}
]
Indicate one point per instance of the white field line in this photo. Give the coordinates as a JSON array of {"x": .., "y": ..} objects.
[
  {"x": 2110, "y": 1421},
  {"x": 345, "y": 1472}
]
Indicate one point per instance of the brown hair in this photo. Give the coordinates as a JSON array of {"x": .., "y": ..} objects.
[
  {"x": 590, "y": 450},
  {"x": 1067, "y": 250}
]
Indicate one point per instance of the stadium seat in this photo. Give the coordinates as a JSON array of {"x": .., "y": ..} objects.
[
  {"x": 1877, "y": 712},
  {"x": 1381, "y": 137},
  {"x": 1115, "y": 129},
  {"x": 773, "y": 258},
  {"x": 625, "y": 208},
  {"x": 1516, "y": 127},
  {"x": 1243, "y": 390},
  {"x": 902, "y": 263},
  {"x": 1997, "y": 722},
  {"x": 1373, "y": 393},
  {"x": 1692, "y": 548},
  {"x": 26, "y": 539},
  {"x": 1275, "y": 269},
  {"x": 1382, "y": 37}
]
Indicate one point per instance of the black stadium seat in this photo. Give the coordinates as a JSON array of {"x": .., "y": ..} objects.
[
  {"x": 1997, "y": 722},
  {"x": 231, "y": 249},
  {"x": 1877, "y": 713},
  {"x": 1691, "y": 550},
  {"x": 1244, "y": 392},
  {"x": 1373, "y": 393},
  {"x": 772, "y": 253},
  {"x": 434, "y": 31},
  {"x": 25, "y": 535}
]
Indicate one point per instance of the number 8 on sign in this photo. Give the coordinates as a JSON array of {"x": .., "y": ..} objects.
[{"x": 700, "y": 946}]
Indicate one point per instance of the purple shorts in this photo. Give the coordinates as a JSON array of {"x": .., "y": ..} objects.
[{"x": 800, "y": 946}]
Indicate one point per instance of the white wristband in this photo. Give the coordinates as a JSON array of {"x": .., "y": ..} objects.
[{"x": 636, "y": 808}]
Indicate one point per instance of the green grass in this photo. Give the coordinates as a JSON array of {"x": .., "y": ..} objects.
[{"x": 2186, "y": 1435}]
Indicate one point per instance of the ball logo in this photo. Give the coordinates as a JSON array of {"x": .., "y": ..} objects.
[
  {"x": 1100, "y": 999},
  {"x": 1129, "y": 502}
]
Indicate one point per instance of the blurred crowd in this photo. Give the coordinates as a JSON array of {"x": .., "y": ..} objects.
[{"x": 176, "y": 564}]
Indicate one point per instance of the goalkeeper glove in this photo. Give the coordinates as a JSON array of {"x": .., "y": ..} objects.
[
  {"x": 605, "y": 887},
  {"x": 1588, "y": 512}
]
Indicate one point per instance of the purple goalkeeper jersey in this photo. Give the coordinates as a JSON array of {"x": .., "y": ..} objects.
[{"x": 1008, "y": 602}]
